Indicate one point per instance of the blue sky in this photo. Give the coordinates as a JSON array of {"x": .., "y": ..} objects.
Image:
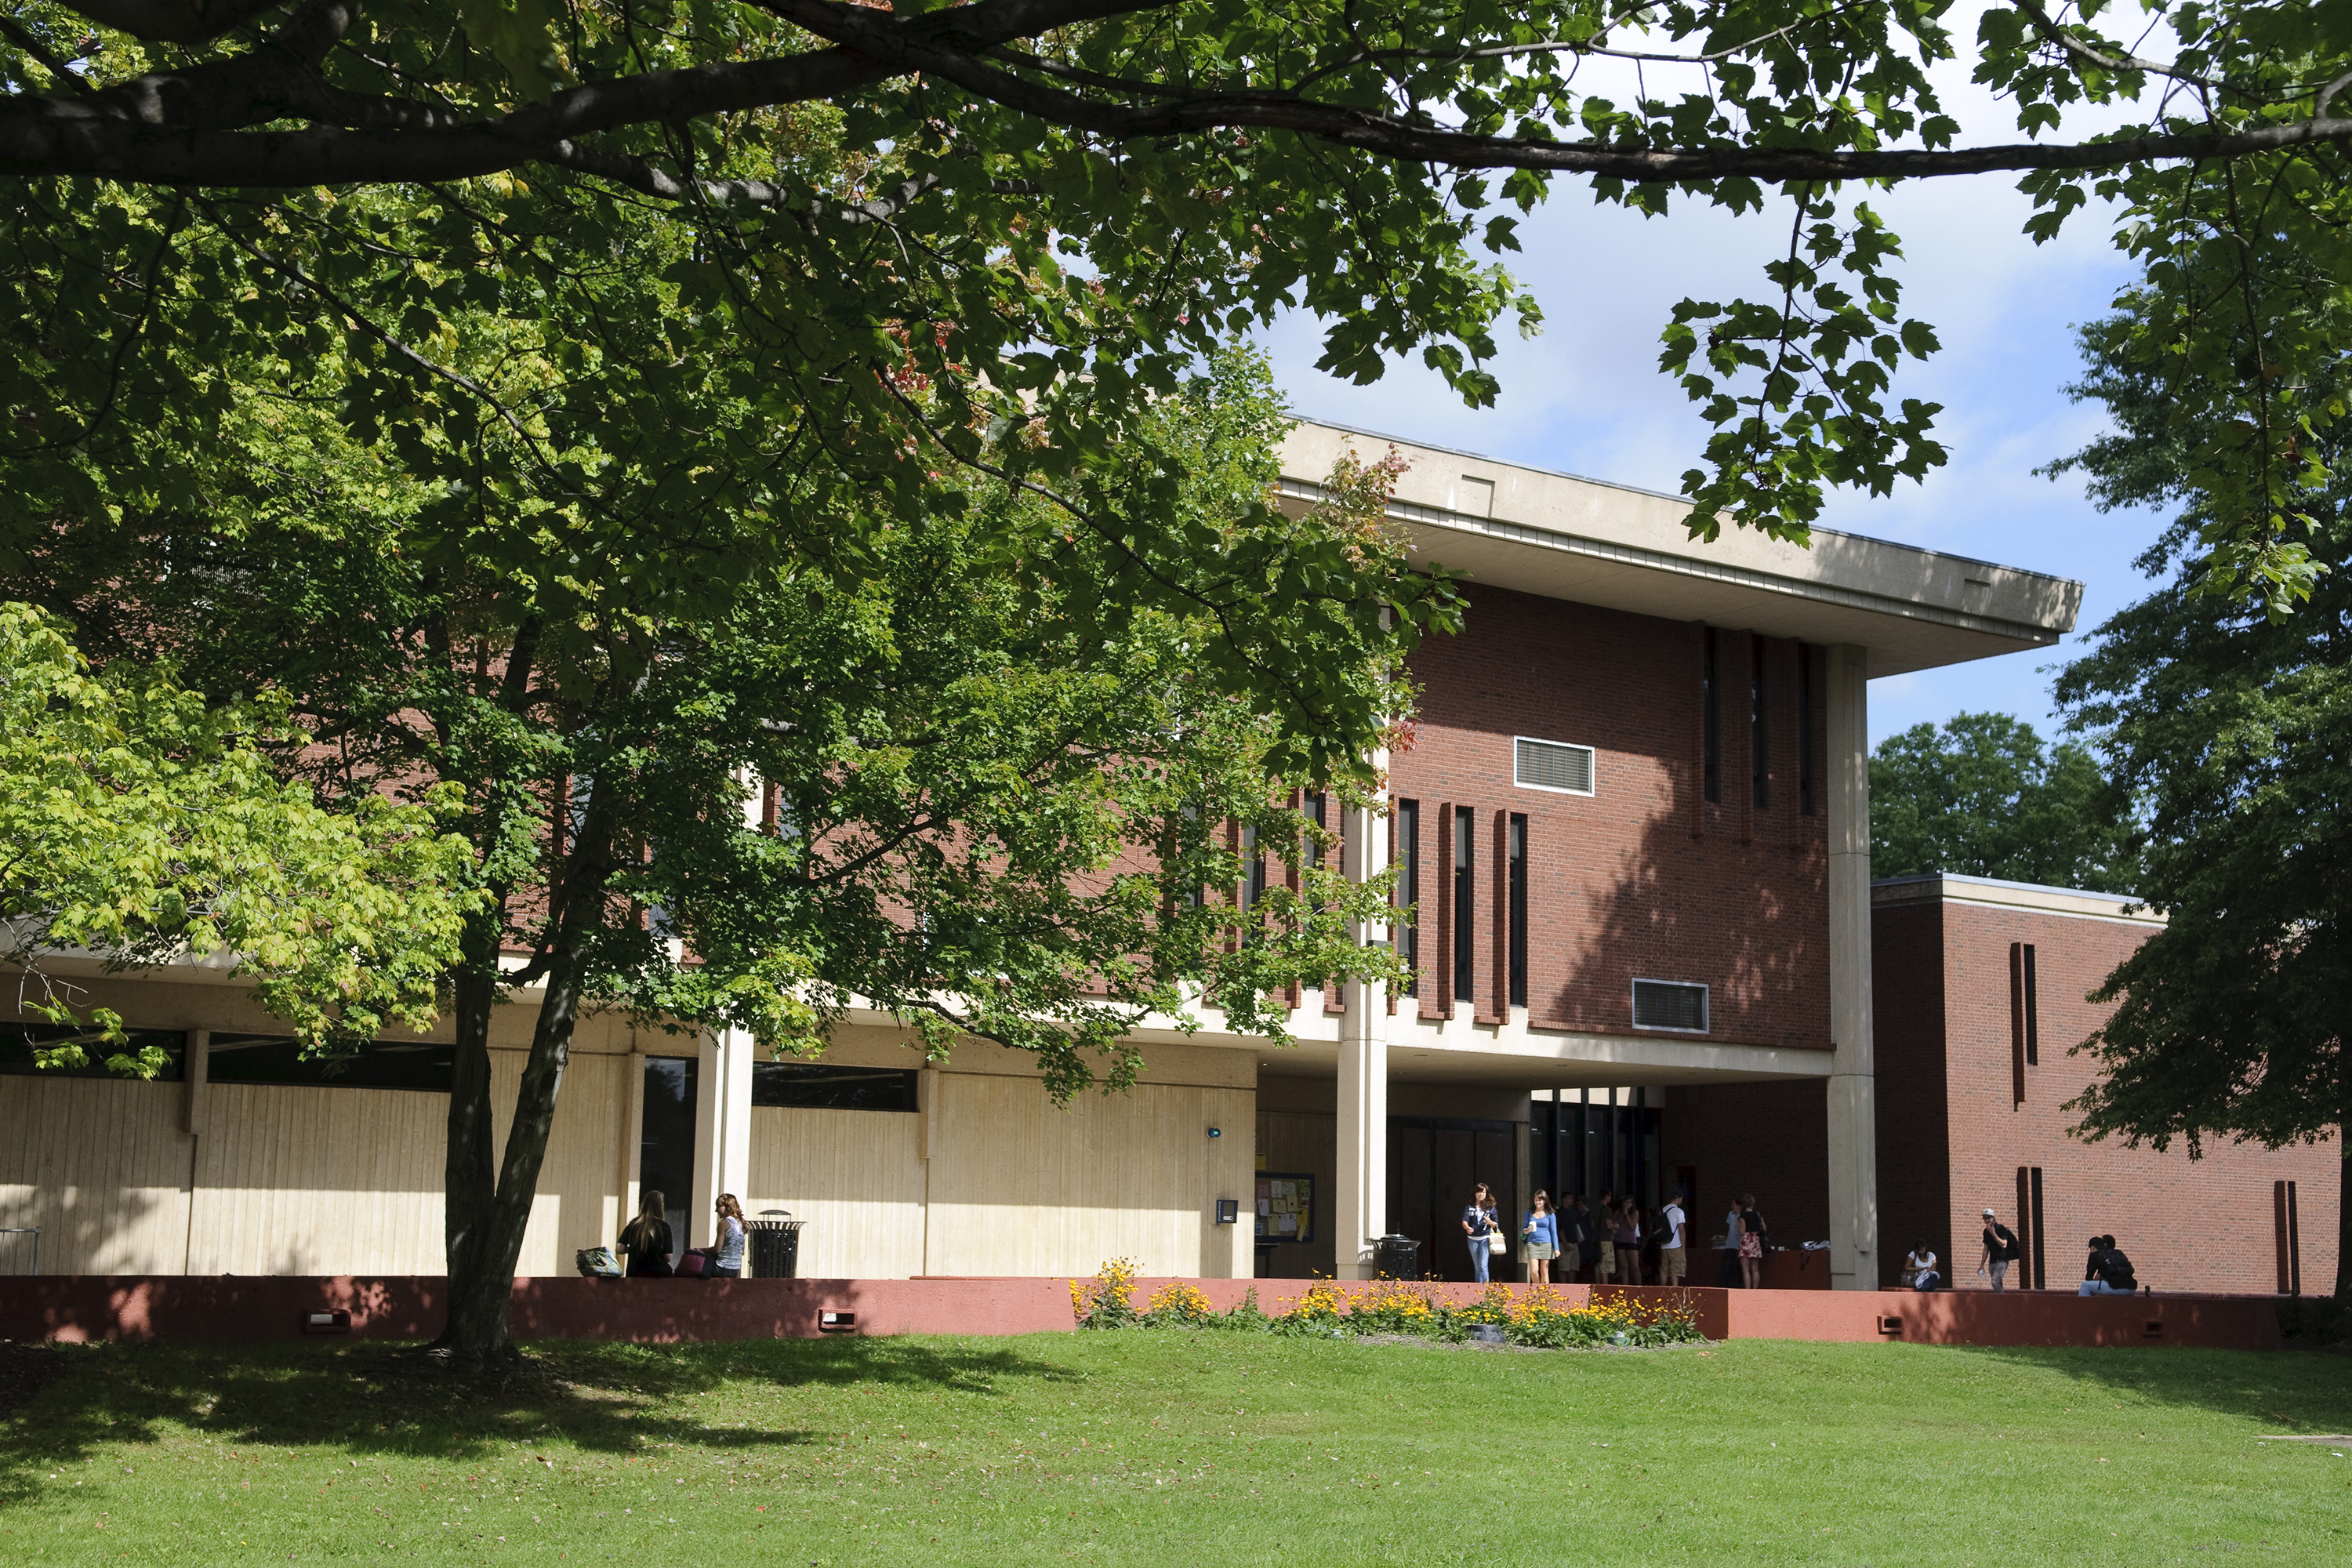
[{"x": 1586, "y": 395}]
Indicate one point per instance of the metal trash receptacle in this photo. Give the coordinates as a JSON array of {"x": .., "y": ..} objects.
[
  {"x": 776, "y": 1244},
  {"x": 1396, "y": 1257}
]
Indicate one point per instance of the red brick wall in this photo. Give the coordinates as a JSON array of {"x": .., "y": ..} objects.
[
  {"x": 2203, "y": 1224},
  {"x": 1642, "y": 878}
]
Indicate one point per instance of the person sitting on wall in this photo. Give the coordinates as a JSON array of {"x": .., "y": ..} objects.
[
  {"x": 1921, "y": 1270},
  {"x": 2107, "y": 1272},
  {"x": 727, "y": 1257},
  {"x": 645, "y": 1240}
]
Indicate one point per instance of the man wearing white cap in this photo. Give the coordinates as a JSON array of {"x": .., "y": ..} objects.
[{"x": 2000, "y": 1251}]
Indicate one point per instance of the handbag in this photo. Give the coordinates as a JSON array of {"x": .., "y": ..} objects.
[
  {"x": 691, "y": 1266},
  {"x": 596, "y": 1263},
  {"x": 1495, "y": 1241}
]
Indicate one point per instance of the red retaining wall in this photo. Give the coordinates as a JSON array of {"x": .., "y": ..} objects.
[{"x": 233, "y": 1309}]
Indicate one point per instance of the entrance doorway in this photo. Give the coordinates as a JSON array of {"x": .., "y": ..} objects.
[
  {"x": 666, "y": 1143},
  {"x": 1434, "y": 1163}
]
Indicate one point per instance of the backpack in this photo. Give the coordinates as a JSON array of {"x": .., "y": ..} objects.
[
  {"x": 597, "y": 1263},
  {"x": 2007, "y": 1248},
  {"x": 2117, "y": 1270}
]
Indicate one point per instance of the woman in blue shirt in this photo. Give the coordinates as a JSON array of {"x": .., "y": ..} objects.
[
  {"x": 727, "y": 1257},
  {"x": 1480, "y": 1222},
  {"x": 1540, "y": 1239}
]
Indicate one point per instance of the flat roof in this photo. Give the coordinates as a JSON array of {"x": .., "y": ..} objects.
[
  {"x": 1947, "y": 887},
  {"x": 1592, "y": 542}
]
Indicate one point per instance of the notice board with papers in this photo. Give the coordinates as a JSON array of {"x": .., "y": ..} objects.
[{"x": 1286, "y": 1206}]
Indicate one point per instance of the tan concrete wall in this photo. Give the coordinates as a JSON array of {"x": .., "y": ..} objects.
[{"x": 101, "y": 1168}]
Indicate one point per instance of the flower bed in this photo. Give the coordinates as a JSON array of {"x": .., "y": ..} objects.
[{"x": 1332, "y": 1309}]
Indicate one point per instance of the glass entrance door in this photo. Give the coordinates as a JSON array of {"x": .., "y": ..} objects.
[{"x": 666, "y": 1143}]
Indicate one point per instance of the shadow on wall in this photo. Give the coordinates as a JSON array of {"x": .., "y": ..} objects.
[
  {"x": 365, "y": 1398},
  {"x": 1747, "y": 921},
  {"x": 88, "y": 1232}
]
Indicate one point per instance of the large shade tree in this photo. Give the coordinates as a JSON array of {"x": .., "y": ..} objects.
[
  {"x": 1004, "y": 197},
  {"x": 959, "y": 784},
  {"x": 1983, "y": 796},
  {"x": 2230, "y": 731}
]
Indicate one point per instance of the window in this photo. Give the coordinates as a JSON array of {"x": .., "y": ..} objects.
[
  {"x": 2024, "y": 1013},
  {"x": 1804, "y": 730},
  {"x": 364, "y": 1063},
  {"x": 1673, "y": 1004},
  {"x": 1465, "y": 886},
  {"x": 1552, "y": 766},
  {"x": 1759, "y": 749},
  {"x": 17, "y": 1045},
  {"x": 1408, "y": 890},
  {"x": 1710, "y": 720},
  {"x": 1253, "y": 881},
  {"x": 1518, "y": 945},
  {"x": 2289, "y": 1240},
  {"x": 821, "y": 1086},
  {"x": 2029, "y": 1204}
]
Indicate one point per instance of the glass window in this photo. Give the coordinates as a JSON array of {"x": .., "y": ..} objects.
[
  {"x": 353, "y": 1064},
  {"x": 821, "y": 1086}
]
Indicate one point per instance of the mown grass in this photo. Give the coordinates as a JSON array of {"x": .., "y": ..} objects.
[{"x": 1173, "y": 1447}]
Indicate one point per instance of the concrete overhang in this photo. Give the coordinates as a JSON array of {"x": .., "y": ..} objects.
[
  {"x": 1624, "y": 549},
  {"x": 2073, "y": 903}
]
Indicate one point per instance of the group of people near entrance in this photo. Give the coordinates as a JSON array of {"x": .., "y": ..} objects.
[
  {"x": 2107, "y": 1272},
  {"x": 1602, "y": 1244},
  {"x": 652, "y": 1249}
]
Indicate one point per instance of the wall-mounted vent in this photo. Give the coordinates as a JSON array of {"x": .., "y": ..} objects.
[
  {"x": 1670, "y": 1005},
  {"x": 1548, "y": 764}
]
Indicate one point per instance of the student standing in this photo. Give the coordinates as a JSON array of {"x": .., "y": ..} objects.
[
  {"x": 1629, "y": 1243},
  {"x": 1752, "y": 1232},
  {"x": 1540, "y": 1239},
  {"x": 2000, "y": 1251},
  {"x": 1728, "y": 1274},
  {"x": 1480, "y": 1224},
  {"x": 1575, "y": 1239},
  {"x": 645, "y": 1240},
  {"x": 1671, "y": 1254}
]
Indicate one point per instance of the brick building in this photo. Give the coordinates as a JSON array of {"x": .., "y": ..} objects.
[{"x": 1632, "y": 824}]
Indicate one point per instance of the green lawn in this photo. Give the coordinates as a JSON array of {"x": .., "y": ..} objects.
[{"x": 1173, "y": 1447}]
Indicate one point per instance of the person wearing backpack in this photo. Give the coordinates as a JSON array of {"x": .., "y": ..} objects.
[
  {"x": 2002, "y": 1248},
  {"x": 2108, "y": 1272}
]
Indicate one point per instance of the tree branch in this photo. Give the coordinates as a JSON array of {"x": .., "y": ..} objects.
[{"x": 172, "y": 21}]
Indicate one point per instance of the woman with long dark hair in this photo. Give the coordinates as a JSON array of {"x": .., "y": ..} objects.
[
  {"x": 1481, "y": 1224},
  {"x": 645, "y": 1240}
]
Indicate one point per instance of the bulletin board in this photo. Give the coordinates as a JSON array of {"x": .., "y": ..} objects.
[{"x": 1286, "y": 1206}]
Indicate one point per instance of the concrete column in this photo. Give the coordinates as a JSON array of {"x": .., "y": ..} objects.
[
  {"x": 722, "y": 1125},
  {"x": 1359, "y": 1206},
  {"x": 1853, "y": 1092}
]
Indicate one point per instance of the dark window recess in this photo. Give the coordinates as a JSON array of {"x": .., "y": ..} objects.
[
  {"x": 1804, "y": 730},
  {"x": 1253, "y": 872},
  {"x": 2290, "y": 1238},
  {"x": 1311, "y": 855},
  {"x": 666, "y": 1143},
  {"x": 360, "y": 1064},
  {"x": 2033, "y": 1019},
  {"x": 1670, "y": 1005},
  {"x": 2029, "y": 1182},
  {"x": 1465, "y": 886},
  {"x": 1759, "y": 749},
  {"x": 1519, "y": 957},
  {"x": 820, "y": 1086},
  {"x": 19, "y": 1044},
  {"x": 1711, "y": 722},
  {"x": 1408, "y": 890}
]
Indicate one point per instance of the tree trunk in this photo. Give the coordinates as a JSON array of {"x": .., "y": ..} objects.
[
  {"x": 2344, "y": 1187},
  {"x": 481, "y": 1275},
  {"x": 485, "y": 1223}
]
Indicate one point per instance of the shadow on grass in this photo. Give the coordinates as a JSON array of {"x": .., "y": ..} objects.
[
  {"x": 2286, "y": 1391},
  {"x": 363, "y": 1398}
]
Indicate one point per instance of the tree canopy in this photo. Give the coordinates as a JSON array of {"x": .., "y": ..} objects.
[
  {"x": 1039, "y": 209},
  {"x": 142, "y": 824},
  {"x": 1984, "y": 797},
  {"x": 2232, "y": 732}
]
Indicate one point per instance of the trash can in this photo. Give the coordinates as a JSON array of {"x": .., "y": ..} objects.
[
  {"x": 1396, "y": 1257},
  {"x": 776, "y": 1244}
]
